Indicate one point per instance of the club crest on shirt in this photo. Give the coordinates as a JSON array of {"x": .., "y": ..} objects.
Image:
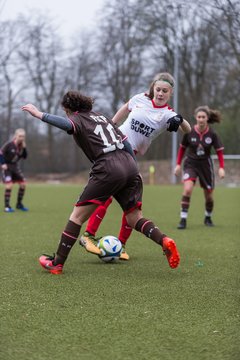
[
  {"x": 208, "y": 140},
  {"x": 8, "y": 178},
  {"x": 186, "y": 176}
]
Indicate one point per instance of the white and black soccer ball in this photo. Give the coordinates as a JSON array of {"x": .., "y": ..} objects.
[{"x": 111, "y": 248}]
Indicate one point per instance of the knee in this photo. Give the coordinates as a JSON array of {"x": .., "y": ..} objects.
[
  {"x": 130, "y": 222},
  {"x": 187, "y": 192},
  {"x": 8, "y": 186},
  {"x": 188, "y": 188},
  {"x": 76, "y": 219},
  {"x": 133, "y": 217}
]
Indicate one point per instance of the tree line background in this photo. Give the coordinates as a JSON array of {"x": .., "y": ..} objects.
[{"x": 130, "y": 42}]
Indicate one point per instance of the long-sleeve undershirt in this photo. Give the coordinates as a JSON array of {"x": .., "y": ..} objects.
[{"x": 58, "y": 121}]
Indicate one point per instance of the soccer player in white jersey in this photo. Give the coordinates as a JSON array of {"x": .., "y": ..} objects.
[{"x": 147, "y": 116}]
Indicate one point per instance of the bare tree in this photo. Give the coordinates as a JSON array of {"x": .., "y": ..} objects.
[
  {"x": 42, "y": 58},
  {"x": 12, "y": 82},
  {"x": 119, "y": 51},
  {"x": 224, "y": 16},
  {"x": 81, "y": 74}
]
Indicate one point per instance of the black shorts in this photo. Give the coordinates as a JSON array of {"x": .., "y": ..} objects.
[
  {"x": 12, "y": 174},
  {"x": 202, "y": 169},
  {"x": 114, "y": 174}
]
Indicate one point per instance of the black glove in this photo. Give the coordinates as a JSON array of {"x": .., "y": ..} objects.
[{"x": 174, "y": 122}]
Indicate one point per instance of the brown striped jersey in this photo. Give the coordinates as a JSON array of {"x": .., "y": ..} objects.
[
  {"x": 95, "y": 134},
  {"x": 199, "y": 144},
  {"x": 12, "y": 153}
]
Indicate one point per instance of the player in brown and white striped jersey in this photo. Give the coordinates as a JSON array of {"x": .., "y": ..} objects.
[
  {"x": 198, "y": 163},
  {"x": 114, "y": 173},
  {"x": 10, "y": 154}
]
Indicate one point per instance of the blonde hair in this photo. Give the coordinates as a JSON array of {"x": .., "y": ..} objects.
[
  {"x": 19, "y": 131},
  {"x": 214, "y": 116},
  {"x": 165, "y": 76}
]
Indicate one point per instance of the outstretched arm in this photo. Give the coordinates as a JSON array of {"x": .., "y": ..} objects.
[
  {"x": 32, "y": 110},
  {"x": 57, "y": 121}
]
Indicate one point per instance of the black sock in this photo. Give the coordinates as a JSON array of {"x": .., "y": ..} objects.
[
  {"x": 68, "y": 239},
  {"x": 148, "y": 228},
  {"x": 209, "y": 206},
  {"x": 7, "y": 196},
  {"x": 21, "y": 192}
]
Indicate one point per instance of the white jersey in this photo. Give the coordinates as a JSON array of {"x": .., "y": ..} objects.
[{"x": 145, "y": 122}]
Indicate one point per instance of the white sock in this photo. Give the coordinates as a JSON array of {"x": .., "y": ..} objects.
[
  {"x": 207, "y": 213},
  {"x": 183, "y": 215}
]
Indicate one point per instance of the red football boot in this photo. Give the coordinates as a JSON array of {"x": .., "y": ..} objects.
[
  {"x": 171, "y": 252},
  {"x": 46, "y": 261}
]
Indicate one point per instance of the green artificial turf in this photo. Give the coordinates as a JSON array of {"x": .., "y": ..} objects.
[{"x": 139, "y": 309}]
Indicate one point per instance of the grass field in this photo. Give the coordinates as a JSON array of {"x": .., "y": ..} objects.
[{"x": 139, "y": 309}]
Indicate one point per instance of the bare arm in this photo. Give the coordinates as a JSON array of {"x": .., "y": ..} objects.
[
  {"x": 185, "y": 126},
  {"x": 121, "y": 114},
  {"x": 31, "y": 109}
]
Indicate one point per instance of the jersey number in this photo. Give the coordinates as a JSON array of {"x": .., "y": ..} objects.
[{"x": 108, "y": 147}]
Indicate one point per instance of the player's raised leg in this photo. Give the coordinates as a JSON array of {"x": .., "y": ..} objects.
[{"x": 148, "y": 228}]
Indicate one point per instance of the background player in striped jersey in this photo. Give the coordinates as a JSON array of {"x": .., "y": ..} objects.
[
  {"x": 147, "y": 116},
  {"x": 114, "y": 173},
  {"x": 198, "y": 162},
  {"x": 10, "y": 154}
]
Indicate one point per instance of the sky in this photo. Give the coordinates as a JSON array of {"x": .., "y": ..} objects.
[{"x": 70, "y": 15}]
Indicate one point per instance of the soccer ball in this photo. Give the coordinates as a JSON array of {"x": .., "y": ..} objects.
[{"x": 110, "y": 247}]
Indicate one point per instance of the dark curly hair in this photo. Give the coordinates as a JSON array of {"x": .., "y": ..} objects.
[
  {"x": 75, "y": 101},
  {"x": 214, "y": 116}
]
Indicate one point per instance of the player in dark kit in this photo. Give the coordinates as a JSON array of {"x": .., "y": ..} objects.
[
  {"x": 10, "y": 154},
  {"x": 114, "y": 173},
  {"x": 198, "y": 163}
]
